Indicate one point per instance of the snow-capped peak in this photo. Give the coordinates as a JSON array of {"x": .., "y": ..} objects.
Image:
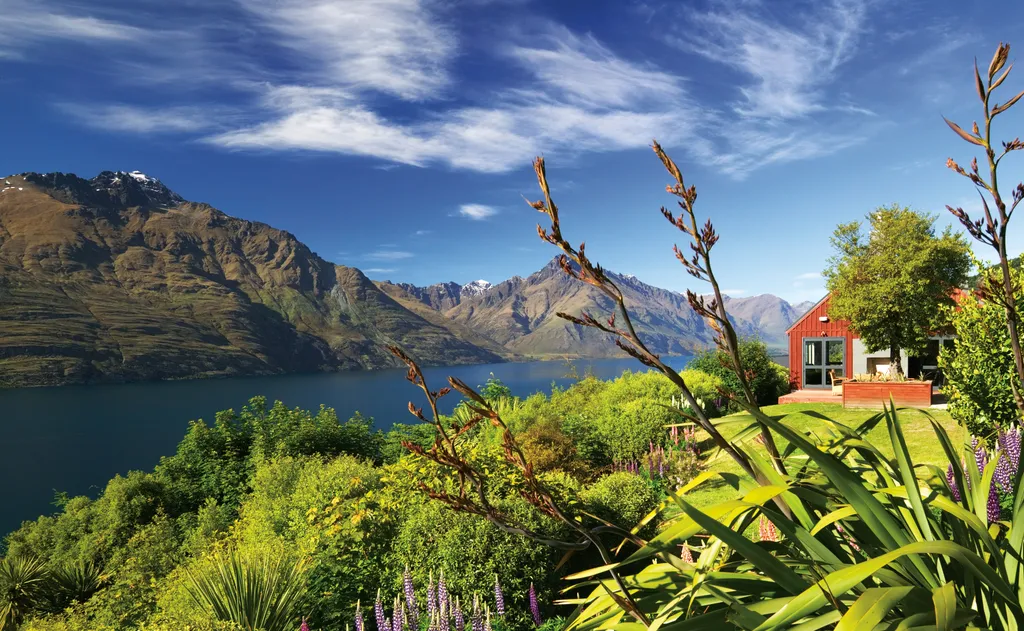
[
  {"x": 139, "y": 176},
  {"x": 476, "y": 287}
]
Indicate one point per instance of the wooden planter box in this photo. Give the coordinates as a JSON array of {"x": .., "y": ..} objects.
[{"x": 873, "y": 394}]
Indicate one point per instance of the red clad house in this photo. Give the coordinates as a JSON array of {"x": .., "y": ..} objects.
[{"x": 820, "y": 347}]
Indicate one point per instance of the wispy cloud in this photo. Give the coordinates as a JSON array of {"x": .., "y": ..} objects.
[
  {"x": 388, "y": 255},
  {"x": 420, "y": 233},
  {"x": 380, "y": 270},
  {"x": 131, "y": 119},
  {"x": 786, "y": 65},
  {"x": 477, "y": 211},
  {"x": 397, "y": 47},
  {"x": 27, "y": 23}
]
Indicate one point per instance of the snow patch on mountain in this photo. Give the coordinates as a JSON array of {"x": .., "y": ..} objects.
[{"x": 475, "y": 287}]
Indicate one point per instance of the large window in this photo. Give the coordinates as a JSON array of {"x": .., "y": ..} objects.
[{"x": 823, "y": 356}]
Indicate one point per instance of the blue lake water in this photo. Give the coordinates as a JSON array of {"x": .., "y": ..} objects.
[{"x": 75, "y": 438}]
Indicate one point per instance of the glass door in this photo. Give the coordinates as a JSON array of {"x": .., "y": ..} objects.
[{"x": 823, "y": 356}]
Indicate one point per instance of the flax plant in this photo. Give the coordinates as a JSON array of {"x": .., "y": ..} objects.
[{"x": 991, "y": 228}]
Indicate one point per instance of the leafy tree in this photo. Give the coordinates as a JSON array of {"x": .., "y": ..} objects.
[
  {"x": 891, "y": 283},
  {"x": 979, "y": 368},
  {"x": 766, "y": 382}
]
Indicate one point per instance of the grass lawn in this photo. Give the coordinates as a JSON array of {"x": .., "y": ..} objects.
[{"x": 921, "y": 440}]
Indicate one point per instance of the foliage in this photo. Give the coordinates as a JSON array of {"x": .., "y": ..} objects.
[
  {"x": 891, "y": 284},
  {"x": 23, "y": 583},
  {"x": 549, "y": 448},
  {"x": 766, "y": 379},
  {"x": 978, "y": 369},
  {"x": 621, "y": 498},
  {"x": 853, "y": 542},
  {"x": 252, "y": 591},
  {"x": 882, "y": 377}
]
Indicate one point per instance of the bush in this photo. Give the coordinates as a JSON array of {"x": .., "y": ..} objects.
[
  {"x": 704, "y": 386},
  {"x": 768, "y": 380},
  {"x": 630, "y": 428},
  {"x": 979, "y": 367},
  {"x": 548, "y": 448},
  {"x": 622, "y": 498}
]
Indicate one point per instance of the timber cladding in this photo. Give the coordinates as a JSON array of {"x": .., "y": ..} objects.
[{"x": 874, "y": 394}]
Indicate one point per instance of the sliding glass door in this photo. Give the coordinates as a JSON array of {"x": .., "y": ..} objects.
[{"x": 823, "y": 355}]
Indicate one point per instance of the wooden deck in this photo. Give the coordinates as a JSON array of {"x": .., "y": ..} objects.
[{"x": 823, "y": 395}]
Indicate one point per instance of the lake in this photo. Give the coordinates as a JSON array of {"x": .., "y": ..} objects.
[{"x": 75, "y": 438}]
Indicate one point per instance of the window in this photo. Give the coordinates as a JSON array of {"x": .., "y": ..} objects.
[{"x": 822, "y": 356}]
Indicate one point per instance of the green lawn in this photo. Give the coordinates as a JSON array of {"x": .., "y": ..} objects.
[{"x": 921, "y": 440}]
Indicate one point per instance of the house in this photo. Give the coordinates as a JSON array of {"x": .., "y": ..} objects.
[{"x": 820, "y": 347}]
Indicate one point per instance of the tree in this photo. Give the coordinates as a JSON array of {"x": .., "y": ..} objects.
[{"x": 891, "y": 283}]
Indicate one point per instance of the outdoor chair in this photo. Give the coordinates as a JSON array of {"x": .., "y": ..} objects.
[{"x": 837, "y": 383}]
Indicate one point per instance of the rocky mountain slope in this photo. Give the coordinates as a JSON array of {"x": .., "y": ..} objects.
[
  {"x": 519, "y": 314},
  {"x": 118, "y": 278}
]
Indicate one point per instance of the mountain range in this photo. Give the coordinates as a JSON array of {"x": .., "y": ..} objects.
[{"x": 118, "y": 278}]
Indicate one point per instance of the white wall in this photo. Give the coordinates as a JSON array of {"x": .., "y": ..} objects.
[{"x": 860, "y": 358}]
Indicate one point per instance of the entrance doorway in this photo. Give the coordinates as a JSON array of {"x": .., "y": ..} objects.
[{"x": 822, "y": 356}]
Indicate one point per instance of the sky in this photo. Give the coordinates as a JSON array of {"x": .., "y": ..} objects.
[{"x": 397, "y": 136}]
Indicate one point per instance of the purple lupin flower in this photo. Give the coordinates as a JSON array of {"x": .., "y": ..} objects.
[
  {"x": 980, "y": 455},
  {"x": 397, "y": 617},
  {"x": 431, "y": 596},
  {"x": 535, "y": 607},
  {"x": 951, "y": 480},
  {"x": 476, "y": 621},
  {"x": 1010, "y": 441},
  {"x": 460, "y": 620},
  {"x": 378, "y": 610},
  {"x": 443, "y": 603},
  {"x": 487, "y": 621},
  {"x": 499, "y": 597},
  {"x": 360, "y": 626},
  {"x": 993, "y": 504},
  {"x": 1003, "y": 473},
  {"x": 410, "y": 598},
  {"x": 304, "y": 626}
]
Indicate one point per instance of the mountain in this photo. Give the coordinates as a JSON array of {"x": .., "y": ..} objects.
[
  {"x": 440, "y": 296},
  {"x": 118, "y": 278},
  {"x": 519, "y": 314}
]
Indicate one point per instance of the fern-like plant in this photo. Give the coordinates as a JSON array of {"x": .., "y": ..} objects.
[{"x": 23, "y": 582}]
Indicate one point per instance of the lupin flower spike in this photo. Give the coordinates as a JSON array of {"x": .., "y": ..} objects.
[
  {"x": 499, "y": 597},
  {"x": 535, "y": 607}
]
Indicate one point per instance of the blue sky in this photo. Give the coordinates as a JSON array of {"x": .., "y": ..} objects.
[{"x": 396, "y": 135}]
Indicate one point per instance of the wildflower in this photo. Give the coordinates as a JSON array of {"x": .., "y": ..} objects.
[
  {"x": 398, "y": 617},
  {"x": 767, "y": 530},
  {"x": 499, "y": 597},
  {"x": 460, "y": 620},
  {"x": 360, "y": 626},
  {"x": 378, "y": 610},
  {"x": 1010, "y": 442},
  {"x": 993, "y": 504},
  {"x": 849, "y": 540},
  {"x": 980, "y": 455},
  {"x": 487, "y": 621},
  {"x": 410, "y": 598},
  {"x": 951, "y": 480},
  {"x": 477, "y": 621},
  {"x": 431, "y": 596},
  {"x": 535, "y": 607},
  {"x": 304, "y": 626},
  {"x": 686, "y": 555},
  {"x": 443, "y": 603}
]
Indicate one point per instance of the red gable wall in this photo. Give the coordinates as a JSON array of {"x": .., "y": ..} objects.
[{"x": 810, "y": 326}]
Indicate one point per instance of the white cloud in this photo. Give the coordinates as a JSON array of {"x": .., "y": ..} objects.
[
  {"x": 392, "y": 46},
  {"x": 388, "y": 255},
  {"x": 477, "y": 211},
  {"x": 380, "y": 270},
  {"x": 28, "y": 23},
  {"x": 420, "y": 233},
  {"x": 127, "y": 118},
  {"x": 788, "y": 65}
]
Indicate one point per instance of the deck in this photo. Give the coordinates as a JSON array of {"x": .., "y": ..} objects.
[{"x": 824, "y": 395}]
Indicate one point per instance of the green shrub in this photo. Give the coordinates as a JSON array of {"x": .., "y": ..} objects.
[
  {"x": 591, "y": 445},
  {"x": 979, "y": 367},
  {"x": 548, "y": 448},
  {"x": 622, "y": 498},
  {"x": 630, "y": 427},
  {"x": 705, "y": 387},
  {"x": 768, "y": 380}
]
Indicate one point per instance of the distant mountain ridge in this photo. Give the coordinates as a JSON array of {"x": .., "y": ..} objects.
[
  {"x": 118, "y": 278},
  {"x": 519, "y": 314}
]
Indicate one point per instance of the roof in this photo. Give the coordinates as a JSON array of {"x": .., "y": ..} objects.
[{"x": 807, "y": 313}]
